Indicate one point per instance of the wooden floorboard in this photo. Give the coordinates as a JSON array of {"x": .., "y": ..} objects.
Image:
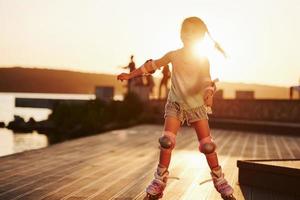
[{"x": 120, "y": 164}]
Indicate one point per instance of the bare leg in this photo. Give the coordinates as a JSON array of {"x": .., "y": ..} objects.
[
  {"x": 202, "y": 130},
  {"x": 207, "y": 146},
  {"x": 167, "y": 143},
  {"x": 172, "y": 124}
]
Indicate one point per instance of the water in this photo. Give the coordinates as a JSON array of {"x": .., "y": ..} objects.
[{"x": 10, "y": 142}]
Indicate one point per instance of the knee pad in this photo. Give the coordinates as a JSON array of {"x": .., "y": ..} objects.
[
  {"x": 167, "y": 140},
  {"x": 207, "y": 145}
]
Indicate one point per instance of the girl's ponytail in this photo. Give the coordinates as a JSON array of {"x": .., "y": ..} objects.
[
  {"x": 217, "y": 45},
  {"x": 202, "y": 29}
]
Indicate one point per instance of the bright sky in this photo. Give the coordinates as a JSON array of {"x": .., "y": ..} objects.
[{"x": 260, "y": 36}]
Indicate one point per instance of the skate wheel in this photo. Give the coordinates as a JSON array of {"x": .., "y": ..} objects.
[
  {"x": 152, "y": 197},
  {"x": 230, "y": 197}
]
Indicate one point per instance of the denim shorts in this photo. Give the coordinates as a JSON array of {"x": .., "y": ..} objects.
[{"x": 175, "y": 109}]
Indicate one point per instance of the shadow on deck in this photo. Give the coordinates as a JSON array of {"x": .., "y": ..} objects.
[{"x": 120, "y": 164}]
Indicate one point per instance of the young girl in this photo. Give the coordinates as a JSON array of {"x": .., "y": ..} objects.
[{"x": 191, "y": 93}]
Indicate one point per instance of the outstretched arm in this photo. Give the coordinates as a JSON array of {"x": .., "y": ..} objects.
[{"x": 149, "y": 67}]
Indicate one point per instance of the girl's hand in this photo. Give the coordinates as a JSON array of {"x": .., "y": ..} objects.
[
  {"x": 123, "y": 76},
  {"x": 208, "y": 98}
]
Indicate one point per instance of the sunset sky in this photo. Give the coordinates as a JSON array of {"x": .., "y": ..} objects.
[{"x": 260, "y": 36}]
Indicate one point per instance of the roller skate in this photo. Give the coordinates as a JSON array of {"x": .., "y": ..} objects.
[
  {"x": 155, "y": 189},
  {"x": 221, "y": 184}
]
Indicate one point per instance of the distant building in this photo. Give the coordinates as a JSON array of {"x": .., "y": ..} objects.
[
  {"x": 105, "y": 93},
  {"x": 244, "y": 94},
  {"x": 294, "y": 89}
]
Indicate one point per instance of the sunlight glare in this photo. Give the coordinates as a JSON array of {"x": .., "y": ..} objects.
[
  {"x": 205, "y": 48},
  {"x": 194, "y": 158}
]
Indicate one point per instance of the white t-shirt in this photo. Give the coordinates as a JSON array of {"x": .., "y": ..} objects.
[{"x": 187, "y": 78}]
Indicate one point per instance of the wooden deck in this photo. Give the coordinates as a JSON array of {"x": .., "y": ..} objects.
[{"x": 120, "y": 164}]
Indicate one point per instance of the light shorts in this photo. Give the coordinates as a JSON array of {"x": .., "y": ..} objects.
[{"x": 175, "y": 109}]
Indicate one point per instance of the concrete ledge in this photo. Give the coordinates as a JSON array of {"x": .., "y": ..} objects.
[
  {"x": 281, "y": 175},
  {"x": 258, "y": 126}
]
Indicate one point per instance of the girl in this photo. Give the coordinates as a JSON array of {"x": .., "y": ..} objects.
[{"x": 190, "y": 95}]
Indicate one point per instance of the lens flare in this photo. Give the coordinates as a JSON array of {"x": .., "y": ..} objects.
[
  {"x": 203, "y": 48},
  {"x": 218, "y": 64}
]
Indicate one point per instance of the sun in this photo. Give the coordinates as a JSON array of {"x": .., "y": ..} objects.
[
  {"x": 220, "y": 66},
  {"x": 203, "y": 48}
]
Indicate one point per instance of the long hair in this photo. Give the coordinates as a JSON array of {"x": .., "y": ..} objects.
[{"x": 201, "y": 30}]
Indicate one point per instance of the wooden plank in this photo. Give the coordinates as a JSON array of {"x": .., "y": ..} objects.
[
  {"x": 229, "y": 163},
  {"x": 112, "y": 160},
  {"x": 36, "y": 164},
  {"x": 180, "y": 143},
  {"x": 97, "y": 167},
  {"x": 62, "y": 149},
  {"x": 124, "y": 149},
  {"x": 289, "y": 142},
  {"x": 267, "y": 148},
  {"x": 244, "y": 192},
  {"x": 275, "y": 153},
  {"x": 67, "y": 163},
  {"x": 138, "y": 188},
  {"x": 195, "y": 190}
]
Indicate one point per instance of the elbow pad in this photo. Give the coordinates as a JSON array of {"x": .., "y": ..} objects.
[{"x": 151, "y": 67}]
